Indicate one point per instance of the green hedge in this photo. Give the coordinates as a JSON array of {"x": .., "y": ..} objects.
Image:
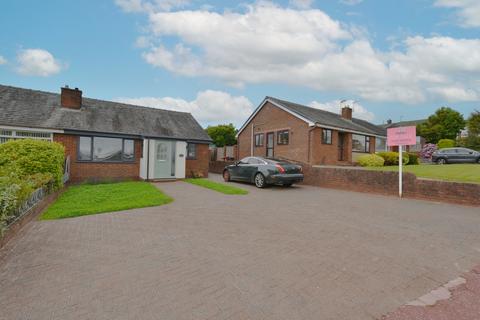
[
  {"x": 446, "y": 143},
  {"x": 27, "y": 157},
  {"x": 371, "y": 160},
  {"x": 391, "y": 158},
  {"x": 26, "y": 165}
]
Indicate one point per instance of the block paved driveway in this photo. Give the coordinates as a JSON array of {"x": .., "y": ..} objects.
[{"x": 299, "y": 253}]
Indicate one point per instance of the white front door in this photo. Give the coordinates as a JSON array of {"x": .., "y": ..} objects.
[{"x": 164, "y": 159}]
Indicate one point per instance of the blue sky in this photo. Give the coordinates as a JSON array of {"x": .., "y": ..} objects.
[{"x": 219, "y": 59}]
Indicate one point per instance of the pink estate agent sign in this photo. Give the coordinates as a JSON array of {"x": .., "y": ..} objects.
[{"x": 402, "y": 136}]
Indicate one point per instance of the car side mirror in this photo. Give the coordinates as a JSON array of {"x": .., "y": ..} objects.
[
  {"x": 471, "y": 152},
  {"x": 236, "y": 163}
]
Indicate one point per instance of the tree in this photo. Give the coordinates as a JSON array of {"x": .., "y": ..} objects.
[
  {"x": 222, "y": 134},
  {"x": 445, "y": 123},
  {"x": 473, "y": 123}
]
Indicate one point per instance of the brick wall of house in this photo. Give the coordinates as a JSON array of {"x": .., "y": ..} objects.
[
  {"x": 95, "y": 171},
  {"x": 328, "y": 154},
  {"x": 273, "y": 119},
  {"x": 199, "y": 166}
]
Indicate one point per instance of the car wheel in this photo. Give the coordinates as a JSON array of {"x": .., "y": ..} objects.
[
  {"x": 226, "y": 176},
  {"x": 441, "y": 161},
  {"x": 478, "y": 160},
  {"x": 260, "y": 180},
  {"x": 286, "y": 185}
]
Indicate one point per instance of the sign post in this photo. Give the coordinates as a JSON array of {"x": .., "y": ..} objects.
[{"x": 401, "y": 136}]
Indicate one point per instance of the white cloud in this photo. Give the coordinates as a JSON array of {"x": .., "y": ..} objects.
[
  {"x": 209, "y": 107},
  {"x": 2, "y": 60},
  {"x": 301, "y": 4},
  {"x": 351, "y": 2},
  {"x": 308, "y": 48},
  {"x": 335, "y": 106},
  {"x": 468, "y": 11},
  {"x": 150, "y": 6},
  {"x": 37, "y": 62},
  {"x": 455, "y": 94}
]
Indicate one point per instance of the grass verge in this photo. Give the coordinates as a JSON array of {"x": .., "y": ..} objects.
[
  {"x": 450, "y": 172},
  {"x": 220, "y": 187},
  {"x": 88, "y": 199}
]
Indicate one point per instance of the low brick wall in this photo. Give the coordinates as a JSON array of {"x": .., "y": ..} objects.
[
  {"x": 34, "y": 212},
  {"x": 386, "y": 182},
  {"x": 218, "y": 166}
]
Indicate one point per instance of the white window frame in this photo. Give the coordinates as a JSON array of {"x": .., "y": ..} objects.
[{"x": 14, "y": 133}]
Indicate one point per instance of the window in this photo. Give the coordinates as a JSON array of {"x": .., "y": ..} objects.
[
  {"x": 162, "y": 151},
  {"x": 326, "y": 136},
  {"x": 259, "y": 140},
  {"x": 103, "y": 149},
  {"x": 191, "y": 151},
  {"x": 282, "y": 137},
  {"x": 255, "y": 161},
  {"x": 360, "y": 143},
  {"x": 380, "y": 144},
  {"x": 85, "y": 149}
]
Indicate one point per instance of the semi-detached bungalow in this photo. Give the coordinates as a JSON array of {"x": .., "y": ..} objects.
[
  {"x": 107, "y": 140},
  {"x": 283, "y": 129}
]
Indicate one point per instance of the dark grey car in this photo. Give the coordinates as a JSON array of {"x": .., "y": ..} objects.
[
  {"x": 456, "y": 155},
  {"x": 263, "y": 171}
]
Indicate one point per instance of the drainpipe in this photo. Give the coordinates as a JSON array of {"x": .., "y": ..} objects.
[
  {"x": 309, "y": 141},
  {"x": 251, "y": 140},
  {"x": 148, "y": 159}
]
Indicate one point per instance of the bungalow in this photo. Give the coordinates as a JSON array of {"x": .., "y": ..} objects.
[
  {"x": 107, "y": 140},
  {"x": 283, "y": 129}
]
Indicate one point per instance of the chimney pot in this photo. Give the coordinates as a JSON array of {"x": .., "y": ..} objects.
[
  {"x": 70, "y": 98},
  {"x": 389, "y": 121},
  {"x": 347, "y": 113}
]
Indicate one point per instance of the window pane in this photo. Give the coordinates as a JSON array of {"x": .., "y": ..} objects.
[
  {"x": 85, "y": 149},
  {"x": 327, "y": 136},
  {"x": 191, "y": 151},
  {"x": 128, "y": 150},
  {"x": 107, "y": 149},
  {"x": 282, "y": 137},
  {"x": 358, "y": 143},
  {"x": 380, "y": 144}
]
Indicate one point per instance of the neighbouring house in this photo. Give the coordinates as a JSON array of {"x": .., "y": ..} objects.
[
  {"x": 107, "y": 140},
  {"x": 283, "y": 129},
  {"x": 420, "y": 140}
]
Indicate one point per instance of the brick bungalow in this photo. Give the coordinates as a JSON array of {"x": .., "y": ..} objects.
[
  {"x": 283, "y": 129},
  {"x": 107, "y": 140}
]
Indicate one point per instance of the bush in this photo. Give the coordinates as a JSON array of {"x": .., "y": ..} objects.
[
  {"x": 428, "y": 150},
  {"x": 370, "y": 160},
  {"x": 413, "y": 158},
  {"x": 27, "y": 157},
  {"x": 471, "y": 142},
  {"x": 13, "y": 192},
  {"x": 446, "y": 143},
  {"x": 391, "y": 158}
]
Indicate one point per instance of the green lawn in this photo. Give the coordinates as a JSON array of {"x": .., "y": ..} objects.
[
  {"x": 450, "y": 172},
  {"x": 97, "y": 198},
  {"x": 220, "y": 187}
]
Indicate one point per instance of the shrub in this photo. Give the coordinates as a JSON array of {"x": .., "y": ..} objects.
[
  {"x": 446, "y": 143},
  {"x": 371, "y": 160},
  {"x": 391, "y": 158},
  {"x": 413, "y": 158},
  {"x": 471, "y": 142},
  {"x": 428, "y": 150},
  {"x": 13, "y": 192},
  {"x": 27, "y": 157}
]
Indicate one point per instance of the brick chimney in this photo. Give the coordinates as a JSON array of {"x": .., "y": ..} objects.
[
  {"x": 347, "y": 113},
  {"x": 71, "y": 98}
]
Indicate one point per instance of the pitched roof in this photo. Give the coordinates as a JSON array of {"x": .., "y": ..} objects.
[
  {"x": 403, "y": 123},
  {"x": 39, "y": 109},
  {"x": 326, "y": 118}
]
